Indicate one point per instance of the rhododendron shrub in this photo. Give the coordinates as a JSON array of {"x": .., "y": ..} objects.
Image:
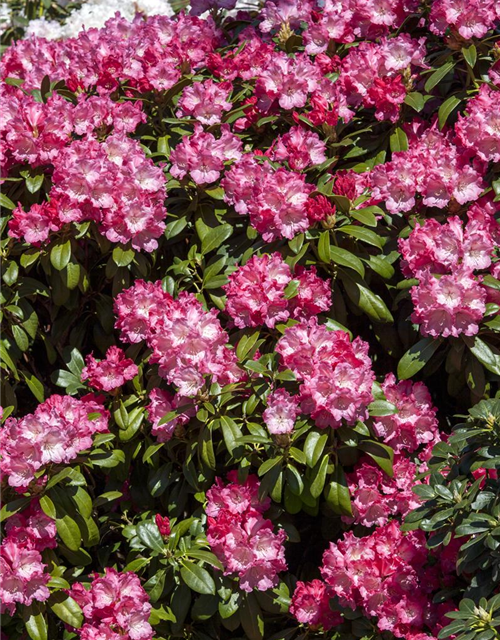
[{"x": 250, "y": 278}]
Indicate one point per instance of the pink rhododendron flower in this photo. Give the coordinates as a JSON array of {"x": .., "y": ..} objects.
[
  {"x": 433, "y": 167},
  {"x": 479, "y": 130},
  {"x": 256, "y": 292},
  {"x": 115, "y": 602},
  {"x": 449, "y": 305},
  {"x": 336, "y": 374},
  {"x": 110, "y": 373},
  {"x": 115, "y": 184},
  {"x": 143, "y": 53},
  {"x": 376, "y": 497},
  {"x": 22, "y": 576},
  {"x": 442, "y": 248},
  {"x": 202, "y": 156},
  {"x": 386, "y": 575},
  {"x": 287, "y": 80},
  {"x": 206, "y": 101},
  {"x": 32, "y": 528},
  {"x": 55, "y": 433},
  {"x": 34, "y": 225},
  {"x": 281, "y": 413},
  {"x": 22, "y": 572},
  {"x": 187, "y": 342},
  {"x": 310, "y": 605},
  {"x": 415, "y": 423},
  {"x": 163, "y": 524},
  {"x": 300, "y": 148},
  {"x": 370, "y": 74},
  {"x": 242, "y": 539},
  {"x": 320, "y": 208},
  {"x": 162, "y": 403},
  {"x": 275, "y": 200},
  {"x": 470, "y": 19}
]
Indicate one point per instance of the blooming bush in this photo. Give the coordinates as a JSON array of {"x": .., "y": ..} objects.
[{"x": 251, "y": 335}]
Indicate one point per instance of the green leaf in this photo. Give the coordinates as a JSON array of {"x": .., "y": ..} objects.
[
  {"x": 7, "y": 360},
  {"x": 337, "y": 493},
  {"x": 319, "y": 477},
  {"x": 230, "y": 432},
  {"x": 10, "y": 273},
  {"x": 215, "y": 237},
  {"x": 371, "y": 303},
  {"x": 197, "y": 578},
  {"x": 415, "y": 100},
  {"x": 347, "y": 259},
  {"x": 381, "y": 453},
  {"x": 291, "y": 290},
  {"x": 417, "y": 357},
  {"x": 66, "y": 609},
  {"x": 20, "y": 337},
  {"x": 483, "y": 352},
  {"x": 149, "y": 535},
  {"x": 35, "y": 621},
  {"x": 398, "y": 140},
  {"x": 175, "y": 227},
  {"x": 251, "y": 617},
  {"x": 365, "y": 235},
  {"x": 470, "y": 55},
  {"x": 379, "y": 408},
  {"x": 35, "y": 386},
  {"x": 60, "y": 255},
  {"x": 366, "y": 215},
  {"x": 314, "y": 446},
  {"x": 122, "y": 256},
  {"x": 438, "y": 75},
  {"x": 33, "y": 183},
  {"x": 207, "y": 448},
  {"x": 324, "y": 247},
  {"x": 268, "y": 464},
  {"x": 446, "y": 108},
  {"x": 69, "y": 532},
  {"x": 6, "y": 203},
  {"x": 13, "y": 507}
]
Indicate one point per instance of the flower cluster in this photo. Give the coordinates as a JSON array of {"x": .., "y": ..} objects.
[
  {"x": 432, "y": 167},
  {"x": 300, "y": 148},
  {"x": 275, "y": 200},
  {"x": 386, "y": 575},
  {"x": 111, "y": 183},
  {"x": 449, "y": 305},
  {"x": 311, "y": 605},
  {"x": 56, "y": 432},
  {"x": 162, "y": 403},
  {"x": 336, "y": 373},
  {"x": 256, "y": 292},
  {"x": 454, "y": 302},
  {"x": 281, "y": 412},
  {"x": 470, "y": 19},
  {"x": 93, "y": 14},
  {"x": 242, "y": 539},
  {"x": 415, "y": 423},
  {"x": 187, "y": 342},
  {"x": 110, "y": 373},
  {"x": 144, "y": 53},
  {"x": 116, "y": 606},
  {"x": 371, "y": 74},
  {"x": 23, "y": 578},
  {"x": 202, "y": 156},
  {"x": 346, "y": 20},
  {"x": 205, "y": 101},
  {"x": 479, "y": 130},
  {"x": 376, "y": 497}
]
